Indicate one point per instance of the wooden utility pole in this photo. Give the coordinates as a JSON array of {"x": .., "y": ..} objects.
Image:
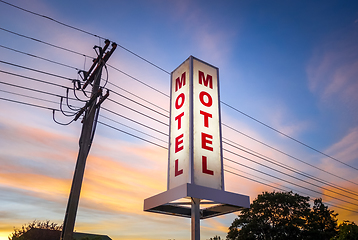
[{"x": 91, "y": 110}]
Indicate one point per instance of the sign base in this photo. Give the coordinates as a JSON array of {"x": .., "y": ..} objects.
[{"x": 177, "y": 201}]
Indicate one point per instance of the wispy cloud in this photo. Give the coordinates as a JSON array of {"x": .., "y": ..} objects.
[
  {"x": 212, "y": 41},
  {"x": 333, "y": 69}
]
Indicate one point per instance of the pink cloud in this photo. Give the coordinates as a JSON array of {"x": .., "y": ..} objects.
[{"x": 347, "y": 147}]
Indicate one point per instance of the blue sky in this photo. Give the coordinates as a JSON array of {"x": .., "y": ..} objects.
[{"x": 292, "y": 65}]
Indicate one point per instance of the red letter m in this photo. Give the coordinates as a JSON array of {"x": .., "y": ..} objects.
[
  {"x": 180, "y": 82},
  {"x": 207, "y": 80}
]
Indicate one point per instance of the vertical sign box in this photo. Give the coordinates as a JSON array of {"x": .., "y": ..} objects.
[{"x": 195, "y": 153}]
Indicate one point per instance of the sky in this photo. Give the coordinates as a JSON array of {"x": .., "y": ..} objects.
[{"x": 288, "y": 87}]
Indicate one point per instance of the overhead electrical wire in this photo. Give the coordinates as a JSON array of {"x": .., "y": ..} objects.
[
  {"x": 224, "y": 142},
  {"x": 56, "y": 95},
  {"x": 135, "y": 95},
  {"x": 42, "y": 58},
  {"x": 134, "y": 129},
  {"x": 32, "y": 79},
  {"x": 28, "y": 104},
  {"x": 83, "y": 31},
  {"x": 46, "y": 43},
  {"x": 132, "y": 109},
  {"x": 37, "y": 91},
  {"x": 62, "y": 64},
  {"x": 283, "y": 173},
  {"x": 34, "y": 105},
  {"x": 288, "y": 155},
  {"x": 253, "y": 180},
  {"x": 139, "y": 123},
  {"x": 122, "y": 105},
  {"x": 36, "y": 70},
  {"x": 322, "y": 181},
  {"x": 61, "y": 77},
  {"x": 142, "y": 105},
  {"x": 23, "y": 95},
  {"x": 49, "y": 18},
  {"x": 149, "y": 62},
  {"x": 283, "y": 134},
  {"x": 132, "y": 135},
  {"x": 286, "y": 181},
  {"x": 136, "y": 79},
  {"x": 221, "y": 102}
]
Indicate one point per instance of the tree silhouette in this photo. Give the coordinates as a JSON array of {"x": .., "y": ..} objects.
[
  {"x": 347, "y": 231},
  {"x": 18, "y": 233},
  {"x": 283, "y": 215}
]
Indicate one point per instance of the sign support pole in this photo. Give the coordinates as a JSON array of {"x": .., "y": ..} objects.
[{"x": 195, "y": 219}]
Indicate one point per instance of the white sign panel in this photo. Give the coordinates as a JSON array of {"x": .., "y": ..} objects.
[
  {"x": 179, "y": 140},
  {"x": 195, "y": 154},
  {"x": 207, "y": 134}
]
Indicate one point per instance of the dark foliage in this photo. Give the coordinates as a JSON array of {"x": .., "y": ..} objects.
[
  {"x": 347, "y": 231},
  {"x": 18, "y": 234},
  {"x": 283, "y": 215}
]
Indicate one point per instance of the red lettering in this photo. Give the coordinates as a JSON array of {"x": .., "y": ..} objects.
[
  {"x": 209, "y": 99},
  {"x": 180, "y": 82},
  {"x": 178, "y": 118},
  {"x": 205, "y": 166},
  {"x": 207, "y": 80},
  {"x": 179, "y": 140},
  {"x": 205, "y": 140},
  {"x": 206, "y": 118},
  {"x": 177, "y": 104},
  {"x": 177, "y": 171}
]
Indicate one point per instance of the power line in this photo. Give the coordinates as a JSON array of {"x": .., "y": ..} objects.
[
  {"x": 142, "y": 105},
  {"x": 294, "y": 169},
  {"x": 227, "y": 105},
  {"x": 289, "y": 169},
  {"x": 32, "y": 79},
  {"x": 83, "y": 31},
  {"x": 283, "y": 173},
  {"x": 288, "y": 155},
  {"x": 30, "y": 89},
  {"x": 78, "y": 29},
  {"x": 49, "y": 18},
  {"x": 136, "y": 79},
  {"x": 34, "y": 90},
  {"x": 42, "y": 58},
  {"x": 134, "y": 129},
  {"x": 132, "y": 135},
  {"x": 61, "y": 96},
  {"x": 253, "y": 180},
  {"x": 166, "y": 148},
  {"x": 135, "y": 95},
  {"x": 36, "y": 70},
  {"x": 224, "y": 142},
  {"x": 57, "y": 95},
  {"x": 23, "y": 95},
  {"x": 112, "y": 100},
  {"x": 139, "y": 123},
  {"x": 49, "y": 44},
  {"x": 28, "y": 104},
  {"x": 266, "y": 125},
  {"x": 132, "y": 109},
  {"x": 286, "y": 181}
]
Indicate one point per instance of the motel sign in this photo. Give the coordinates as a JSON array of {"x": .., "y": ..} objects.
[
  {"x": 195, "y": 162},
  {"x": 195, "y": 133}
]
